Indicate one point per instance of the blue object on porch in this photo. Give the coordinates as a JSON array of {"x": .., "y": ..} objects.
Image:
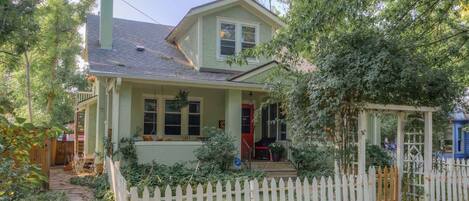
[{"x": 460, "y": 136}]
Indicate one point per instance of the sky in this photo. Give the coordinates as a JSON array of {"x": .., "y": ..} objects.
[{"x": 168, "y": 12}]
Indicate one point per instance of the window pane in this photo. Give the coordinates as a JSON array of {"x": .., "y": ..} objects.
[
  {"x": 246, "y": 121},
  {"x": 227, "y": 31},
  {"x": 150, "y": 105},
  {"x": 194, "y": 130},
  {"x": 247, "y": 45},
  {"x": 248, "y": 34},
  {"x": 194, "y": 119},
  {"x": 194, "y": 107},
  {"x": 149, "y": 117},
  {"x": 227, "y": 47},
  {"x": 172, "y": 119},
  {"x": 265, "y": 123},
  {"x": 170, "y": 106},
  {"x": 149, "y": 129},
  {"x": 273, "y": 120},
  {"x": 172, "y": 130}
]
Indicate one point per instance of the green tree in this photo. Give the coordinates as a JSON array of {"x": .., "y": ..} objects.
[{"x": 409, "y": 52}]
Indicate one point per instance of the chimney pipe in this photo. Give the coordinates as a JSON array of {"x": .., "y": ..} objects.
[{"x": 105, "y": 24}]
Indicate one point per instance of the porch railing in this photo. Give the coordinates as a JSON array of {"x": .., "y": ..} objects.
[{"x": 83, "y": 96}]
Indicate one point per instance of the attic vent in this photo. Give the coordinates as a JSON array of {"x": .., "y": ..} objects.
[{"x": 140, "y": 48}]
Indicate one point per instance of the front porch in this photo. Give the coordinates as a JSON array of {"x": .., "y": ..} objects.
[{"x": 146, "y": 112}]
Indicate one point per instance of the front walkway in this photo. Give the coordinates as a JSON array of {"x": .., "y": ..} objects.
[{"x": 60, "y": 181}]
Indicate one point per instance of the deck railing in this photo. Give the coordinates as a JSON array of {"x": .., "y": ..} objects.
[{"x": 83, "y": 96}]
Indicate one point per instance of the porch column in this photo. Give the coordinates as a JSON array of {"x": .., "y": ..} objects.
[
  {"x": 90, "y": 129},
  {"x": 400, "y": 150},
  {"x": 428, "y": 158},
  {"x": 122, "y": 110},
  {"x": 233, "y": 116},
  {"x": 362, "y": 133},
  {"x": 100, "y": 118}
]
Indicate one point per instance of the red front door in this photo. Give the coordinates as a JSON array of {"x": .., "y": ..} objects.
[{"x": 247, "y": 130}]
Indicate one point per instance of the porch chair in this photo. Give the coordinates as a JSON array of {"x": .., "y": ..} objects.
[{"x": 263, "y": 150}]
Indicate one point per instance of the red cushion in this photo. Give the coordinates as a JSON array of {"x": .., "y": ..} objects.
[{"x": 262, "y": 148}]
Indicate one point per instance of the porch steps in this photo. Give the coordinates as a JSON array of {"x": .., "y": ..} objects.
[{"x": 282, "y": 169}]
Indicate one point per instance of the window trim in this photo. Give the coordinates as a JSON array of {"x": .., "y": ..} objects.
[
  {"x": 238, "y": 36},
  {"x": 153, "y": 112},
  {"x": 160, "y": 121},
  {"x": 277, "y": 127}
]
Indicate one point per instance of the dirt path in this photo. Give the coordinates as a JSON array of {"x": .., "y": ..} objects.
[{"x": 60, "y": 181}]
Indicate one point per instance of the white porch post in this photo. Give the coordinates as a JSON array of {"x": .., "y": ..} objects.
[
  {"x": 362, "y": 133},
  {"x": 400, "y": 150},
  {"x": 428, "y": 153},
  {"x": 233, "y": 116},
  {"x": 100, "y": 118}
]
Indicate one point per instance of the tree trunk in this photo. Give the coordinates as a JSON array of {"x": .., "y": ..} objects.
[{"x": 28, "y": 86}]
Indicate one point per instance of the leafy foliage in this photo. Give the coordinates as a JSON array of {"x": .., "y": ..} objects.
[
  {"x": 99, "y": 183},
  {"x": 377, "y": 156},
  {"x": 218, "y": 152},
  {"x": 277, "y": 148},
  {"x": 18, "y": 176},
  {"x": 47, "y": 196},
  {"x": 407, "y": 52},
  {"x": 313, "y": 160}
]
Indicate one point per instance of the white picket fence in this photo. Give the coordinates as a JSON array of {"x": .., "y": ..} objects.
[
  {"x": 444, "y": 186},
  {"x": 449, "y": 186},
  {"x": 450, "y": 164},
  {"x": 337, "y": 188}
]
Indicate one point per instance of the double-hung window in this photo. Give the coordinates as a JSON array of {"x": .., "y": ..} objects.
[
  {"x": 150, "y": 115},
  {"x": 227, "y": 39},
  {"x": 172, "y": 118},
  {"x": 194, "y": 118},
  {"x": 273, "y": 122},
  {"x": 234, "y": 37}
]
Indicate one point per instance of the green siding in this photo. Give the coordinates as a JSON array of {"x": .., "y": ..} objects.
[
  {"x": 209, "y": 40},
  {"x": 188, "y": 44},
  {"x": 90, "y": 129}
]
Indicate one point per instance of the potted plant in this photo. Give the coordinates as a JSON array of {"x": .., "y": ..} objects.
[{"x": 277, "y": 151}]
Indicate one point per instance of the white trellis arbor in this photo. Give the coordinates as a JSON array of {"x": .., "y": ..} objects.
[{"x": 401, "y": 111}]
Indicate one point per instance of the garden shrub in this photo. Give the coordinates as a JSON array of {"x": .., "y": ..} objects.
[
  {"x": 313, "y": 160},
  {"x": 99, "y": 184},
  {"x": 377, "y": 156},
  {"x": 47, "y": 196},
  {"x": 218, "y": 152}
]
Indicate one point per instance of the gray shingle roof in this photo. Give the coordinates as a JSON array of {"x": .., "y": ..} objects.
[{"x": 159, "y": 60}]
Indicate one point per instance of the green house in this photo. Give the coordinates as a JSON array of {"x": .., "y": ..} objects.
[{"x": 138, "y": 70}]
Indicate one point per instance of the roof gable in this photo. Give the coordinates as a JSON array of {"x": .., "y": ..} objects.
[{"x": 252, "y": 6}]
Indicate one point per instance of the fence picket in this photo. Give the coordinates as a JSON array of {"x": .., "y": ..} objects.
[
  {"x": 273, "y": 189},
  {"x": 178, "y": 193},
  {"x": 322, "y": 188},
  {"x": 281, "y": 188},
  {"x": 229, "y": 194},
  {"x": 338, "y": 188},
  {"x": 247, "y": 194},
  {"x": 168, "y": 194},
  {"x": 265, "y": 190},
  {"x": 351, "y": 186},
  {"x": 146, "y": 194},
  {"x": 256, "y": 190},
  {"x": 237, "y": 191},
  {"x": 200, "y": 193},
  {"x": 330, "y": 189},
  {"x": 291, "y": 192},
  {"x": 219, "y": 191},
  {"x": 209, "y": 192},
  {"x": 299, "y": 195},
  {"x": 189, "y": 193},
  {"x": 307, "y": 194},
  {"x": 345, "y": 188},
  {"x": 134, "y": 194},
  {"x": 359, "y": 188},
  {"x": 366, "y": 190}
]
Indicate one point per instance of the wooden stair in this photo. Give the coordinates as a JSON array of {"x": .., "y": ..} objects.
[{"x": 281, "y": 169}]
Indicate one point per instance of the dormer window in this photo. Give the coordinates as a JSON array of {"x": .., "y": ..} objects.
[{"x": 235, "y": 36}]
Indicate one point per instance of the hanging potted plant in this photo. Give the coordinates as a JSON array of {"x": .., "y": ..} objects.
[
  {"x": 181, "y": 99},
  {"x": 277, "y": 151}
]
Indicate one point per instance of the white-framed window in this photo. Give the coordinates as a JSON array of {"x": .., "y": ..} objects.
[
  {"x": 150, "y": 116},
  {"x": 273, "y": 122},
  {"x": 234, "y": 36},
  {"x": 172, "y": 118},
  {"x": 162, "y": 117},
  {"x": 194, "y": 118}
]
